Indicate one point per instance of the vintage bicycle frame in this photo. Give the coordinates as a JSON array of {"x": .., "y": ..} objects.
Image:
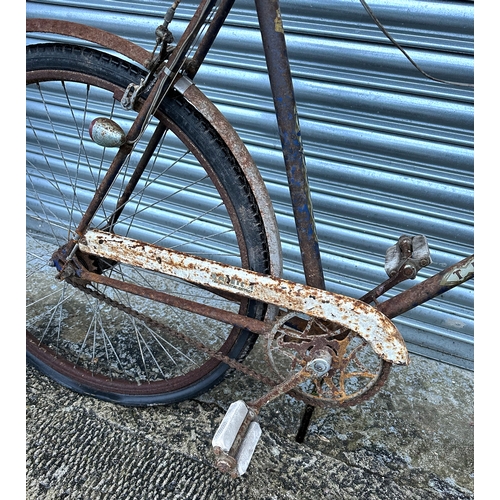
[{"x": 369, "y": 322}]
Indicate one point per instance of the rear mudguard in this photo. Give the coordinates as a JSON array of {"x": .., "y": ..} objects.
[
  {"x": 199, "y": 102},
  {"x": 204, "y": 106}
]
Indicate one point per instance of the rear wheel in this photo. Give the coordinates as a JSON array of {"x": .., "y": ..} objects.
[{"x": 192, "y": 197}]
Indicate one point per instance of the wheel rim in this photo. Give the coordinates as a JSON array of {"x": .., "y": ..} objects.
[{"x": 97, "y": 353}]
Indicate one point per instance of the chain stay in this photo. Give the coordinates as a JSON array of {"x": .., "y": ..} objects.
[{"x": 231, "y": 362}]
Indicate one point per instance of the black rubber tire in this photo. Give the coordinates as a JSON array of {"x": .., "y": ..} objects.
[{"x": 72, "y": 63}]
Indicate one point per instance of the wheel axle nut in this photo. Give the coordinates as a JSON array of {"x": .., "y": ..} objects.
[{"x": 226, "y": 464}]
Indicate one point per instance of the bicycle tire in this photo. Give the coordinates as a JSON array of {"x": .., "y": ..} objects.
[{"x": 113, "y": 356}]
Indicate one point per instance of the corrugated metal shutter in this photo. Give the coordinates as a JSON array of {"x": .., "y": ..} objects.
[{"x": 389, "y": 152}]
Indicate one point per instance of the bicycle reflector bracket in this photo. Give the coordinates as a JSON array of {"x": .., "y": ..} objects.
[{"x": 408, "y": 255}]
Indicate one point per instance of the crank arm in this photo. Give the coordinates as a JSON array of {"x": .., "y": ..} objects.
[
  {"x": 365, "y": 320},
  {"x": 238, "y": 434}
]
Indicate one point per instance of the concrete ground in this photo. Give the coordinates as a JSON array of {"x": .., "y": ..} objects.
[{"x": 413, "y": 440}]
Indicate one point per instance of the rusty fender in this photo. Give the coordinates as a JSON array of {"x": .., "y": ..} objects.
[
  {"x": 199, "y": 102},
  {"x": 365, "y": 320},
  {"x": 90, "y": 34}
]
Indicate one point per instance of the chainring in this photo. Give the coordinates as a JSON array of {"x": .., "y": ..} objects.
[{"x": 356, "y": 373}]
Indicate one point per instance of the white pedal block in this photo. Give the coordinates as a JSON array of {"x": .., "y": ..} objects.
[
  {"x": 236, "y": 439},
  {"x": 247, "y": 447},
  {"x": 230, "y": 425}
]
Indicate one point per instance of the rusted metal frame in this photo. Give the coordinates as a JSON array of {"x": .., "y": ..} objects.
[
  {"x": 452, "y": 276},
  {"x": 121, "y": 155},
  {"x": 178, "y": 55},
  {"x": 209, "y": 37},
  {"x": 113, "y": 171},
  {"x": 359, "y": 317},
  {"x": 373, "y": 295},
  {"x": 389, "y": 283},
  {"x": 198, "y": 100},
  {"x": 254, "y": 325},
  {"x": 278, "y": 65},
  {"x": 137, "y": 174},
  {"x": 152, "y": 101}
]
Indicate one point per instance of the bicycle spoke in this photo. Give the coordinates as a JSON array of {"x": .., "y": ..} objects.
[{"x": 179, "y": 189}]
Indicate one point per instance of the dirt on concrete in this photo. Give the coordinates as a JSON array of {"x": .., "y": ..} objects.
[{"x": 413, "y": 440}]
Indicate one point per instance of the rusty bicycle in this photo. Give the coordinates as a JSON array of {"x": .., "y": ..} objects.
[{"x": 153, "y": 251}]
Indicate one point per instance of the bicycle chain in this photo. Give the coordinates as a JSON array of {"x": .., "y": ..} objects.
[
  {"x": 231, "y": 362},
  {"x": 189, "y": 340}
]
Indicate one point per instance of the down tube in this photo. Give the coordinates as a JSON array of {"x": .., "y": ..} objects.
[{"x": 278, "y": 66}]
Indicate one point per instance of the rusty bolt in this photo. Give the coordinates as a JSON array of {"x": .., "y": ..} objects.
[
  {"x": 409, "y": 271},
  {"x": 226, "y": 464}
]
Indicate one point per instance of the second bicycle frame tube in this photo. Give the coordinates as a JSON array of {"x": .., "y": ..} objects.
[
  {"x": 273, "y": 38},
  {"x": 278, "y": 66}
]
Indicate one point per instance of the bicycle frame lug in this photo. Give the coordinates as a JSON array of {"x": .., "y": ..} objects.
[{"x": 408, "y": 255}]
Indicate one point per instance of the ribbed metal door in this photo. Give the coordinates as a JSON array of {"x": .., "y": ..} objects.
[{"x": 389, "y": 152}]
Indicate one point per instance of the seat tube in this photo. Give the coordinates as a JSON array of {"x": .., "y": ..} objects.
[{"x": 278, "y": 66}]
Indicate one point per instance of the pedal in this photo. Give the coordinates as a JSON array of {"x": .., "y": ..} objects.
[
  {"x": 409, "y": 254},
  {"x": 236, "y": 438}
]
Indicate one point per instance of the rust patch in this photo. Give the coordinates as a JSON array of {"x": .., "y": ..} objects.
[{"x": 84, "y": 32}]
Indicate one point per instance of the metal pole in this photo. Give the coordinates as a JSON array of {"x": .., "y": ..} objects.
[{"x": 273, "y": 39}]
